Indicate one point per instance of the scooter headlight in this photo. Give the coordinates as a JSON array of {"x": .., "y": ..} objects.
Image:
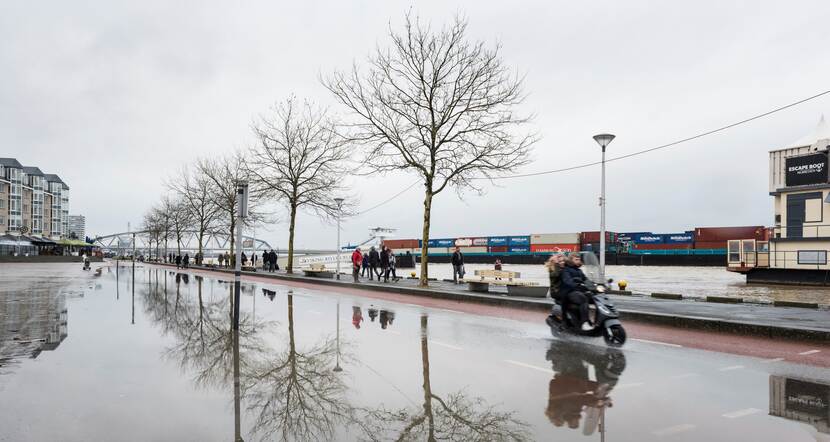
[{"x": 601, "y": 289}]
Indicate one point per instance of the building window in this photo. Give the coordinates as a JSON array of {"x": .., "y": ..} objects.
[{"x": 812, "y": 257}]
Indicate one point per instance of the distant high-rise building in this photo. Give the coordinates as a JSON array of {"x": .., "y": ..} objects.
[
  {"x": 76, "y": 226},
  {"x": 32, "y": 202}
]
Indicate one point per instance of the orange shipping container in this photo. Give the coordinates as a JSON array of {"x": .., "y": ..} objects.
[
  {"x": 401, "y": 243},
  {"x": 553, "y": 248}
]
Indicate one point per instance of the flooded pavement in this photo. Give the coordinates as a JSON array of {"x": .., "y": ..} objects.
[
  {"x": 152, "y": 357},
  {"x": 696, "y": 282}
]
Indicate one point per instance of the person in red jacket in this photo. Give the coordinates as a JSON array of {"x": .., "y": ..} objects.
[{"x": 357, "y": 261}]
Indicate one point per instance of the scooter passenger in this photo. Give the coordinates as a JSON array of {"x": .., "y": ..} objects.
[
  {"x": 569, "y": 292},
  {"x": 555, "y": 264}
]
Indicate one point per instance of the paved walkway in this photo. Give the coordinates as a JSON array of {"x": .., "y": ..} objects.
[{"x": 763, "y": 320}]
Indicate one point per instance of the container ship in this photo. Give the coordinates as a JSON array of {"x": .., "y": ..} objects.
[{"x": 702, "y": 246}]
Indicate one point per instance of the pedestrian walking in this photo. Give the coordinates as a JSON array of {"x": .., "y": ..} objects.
[
  {"x": 221, "y": 260},
  {"x": 457, "y": 266},
  {"x": 253, "y": 259},
  {"x": 392, "y": 264},
  {"x": 244, "y": 259},
  {"x": 178, "y": 261},
  {"x": 384, "y": 263},
  {"x": 186, "y": 260},
  {"x": 498, "y": 264},
  {"x": 357, "y": 261},
  {"x": 365, "y": 265},
  {"x": 374, "y": 260}
]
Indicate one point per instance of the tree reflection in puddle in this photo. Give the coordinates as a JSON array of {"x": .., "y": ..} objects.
[{"x": 294, "y": 393}]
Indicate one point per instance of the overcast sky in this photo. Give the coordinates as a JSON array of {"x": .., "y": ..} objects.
[{"x": 116, "y": 96}]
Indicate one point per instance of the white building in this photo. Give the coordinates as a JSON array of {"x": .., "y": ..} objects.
[{"x": 76, "y": 225}]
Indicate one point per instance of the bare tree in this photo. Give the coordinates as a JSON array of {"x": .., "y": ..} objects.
[
  {"x": 194, "y": 189},
  {"x": 179, "y": 220},
  {"x": 224, "y": 173},
  {"x": 300, "y": 161},
  {"x": 439, "y": 105}
]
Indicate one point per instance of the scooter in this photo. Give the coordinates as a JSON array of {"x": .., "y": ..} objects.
[{"x": 603, "y": 315}]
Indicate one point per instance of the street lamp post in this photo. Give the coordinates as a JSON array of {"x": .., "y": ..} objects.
[
  {"x": 241, "y": 214},
  {"x": 339, "y": 202},
  {"x": 603, "y": 140}
]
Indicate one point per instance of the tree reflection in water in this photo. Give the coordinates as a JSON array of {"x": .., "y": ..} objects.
[
  {"x": 453, "y": 417},
  {"x": 294, "y": 393}
]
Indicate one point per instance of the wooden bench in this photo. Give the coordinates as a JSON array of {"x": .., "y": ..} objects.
[
  {"x": 318, "y": 271},
  {"x": 515, "y": 287}
]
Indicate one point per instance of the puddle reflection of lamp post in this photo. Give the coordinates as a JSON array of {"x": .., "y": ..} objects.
[
  {"x": 603, "y": 140},
  {"x": 339, "y": 202},
  {"x": 337, "y": 367}
]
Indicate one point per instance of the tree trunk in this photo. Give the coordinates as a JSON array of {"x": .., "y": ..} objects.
[
  {"x": 425, "y": 239},
  {"x": 289, "y": 268}
]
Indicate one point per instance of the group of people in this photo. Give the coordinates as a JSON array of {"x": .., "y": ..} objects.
[
  {"x": 182, "y": 262},
  {"x": 269, "y": 261},
  {"x": 375, "y": 263},
  {"x": 565, "y": 280}
]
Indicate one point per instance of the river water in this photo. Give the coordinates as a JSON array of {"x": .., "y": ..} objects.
[{"x": 696, "y": 282}]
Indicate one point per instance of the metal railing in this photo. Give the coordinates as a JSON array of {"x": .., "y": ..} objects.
[{"x": 803, "y": 231}]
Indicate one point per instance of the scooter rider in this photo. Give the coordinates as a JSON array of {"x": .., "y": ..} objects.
[{"x": 569, "y": 292}]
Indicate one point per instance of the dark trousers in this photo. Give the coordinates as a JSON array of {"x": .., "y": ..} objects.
[
  {"x": 355, "y": 273},
  {"x": 364, "y": 270},
  {"x": 581, "y": 302},
  {"x": 392, "y": 271},
  {"x": 457, "y": 272},
  {"x": 373, "y": 271}
]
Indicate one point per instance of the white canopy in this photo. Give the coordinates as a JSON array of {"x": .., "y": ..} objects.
[{"x": 821, "y": 132}]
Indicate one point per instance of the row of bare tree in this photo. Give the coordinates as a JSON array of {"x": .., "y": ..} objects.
[{"x": 432, "y": 103}]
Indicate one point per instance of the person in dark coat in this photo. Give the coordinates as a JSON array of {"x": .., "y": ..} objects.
[
  {"x": 364, "y": 264},
  {"x": 572, "y": 278},
  {"x": 178, "y": 261},
  {"x": 186, "y": 260},
  {"x": 374, "y": 260},
  {"x": 457, "y": 266},
  {"x": 384, "y": 264}
]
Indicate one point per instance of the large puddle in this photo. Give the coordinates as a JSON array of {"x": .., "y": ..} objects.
[{"x": 153, "y": 357}]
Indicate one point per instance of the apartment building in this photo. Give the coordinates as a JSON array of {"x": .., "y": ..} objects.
[{"x": 32, "y": 203}]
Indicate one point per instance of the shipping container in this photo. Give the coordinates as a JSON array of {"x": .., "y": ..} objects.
[
  {"x": 518, "y": 240},
  {"x": 629, "y": 236},
  {"x": 444, "y": 242},
  {"x": 401, "y": 243},
  {"x": 554, "y": 238},
  {"x": 594, "y": 247},
  {"x": 480, "y": 242},
  {"x": 404, "y": 251},
  {"x": 518, "y": 249},
  {"x": 648, "y": 238},
  {"x": 463, "y": 242},
  {"x": 498, "y": 249},
  {"x": 589, "y": 237},
  {"x": 709, "y": 234},
  {"x": 662, "y": 246},
  {"x": 710, "y": 244},
  {"x": 679, "y": 238},
  {"x": 474, "y": 249},
  {"x": 554, "y": 248},
  {"x": 438, "y": 251},
  {"x": 497, "y": 241}
]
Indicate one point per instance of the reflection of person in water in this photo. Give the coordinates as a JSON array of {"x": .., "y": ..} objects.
[
  {"x": 386, "y": 318},
  {"x": 357, "y": 317},
  {"x": 373, "y": 313},
  {"x": 571, "y": 391},
  {"x": 270, "y": 294}
]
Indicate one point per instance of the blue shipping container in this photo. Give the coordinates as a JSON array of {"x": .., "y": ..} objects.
[
  {"x": 629, "y": 236},
  {"x": 518, "y": 240},
  {"x": 450, "y": 242},
  {"x": 518, "y": 249},
  {"x": 648, "y": 238},
  {"x": 678, "y": 238},
  {"x": 497, "y": 241}
]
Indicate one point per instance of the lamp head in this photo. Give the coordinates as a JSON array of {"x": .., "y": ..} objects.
[
  {"x": 339, "y": 201},
  {"x": 603, "y": 139}
]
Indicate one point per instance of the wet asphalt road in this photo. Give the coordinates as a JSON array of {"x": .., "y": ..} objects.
[{"x": 153, "y": 358}]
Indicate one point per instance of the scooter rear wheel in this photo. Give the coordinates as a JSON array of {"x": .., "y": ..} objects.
[{"x": 614, "y": 336}]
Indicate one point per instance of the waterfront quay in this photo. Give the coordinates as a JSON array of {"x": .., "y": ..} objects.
[{"x": 347, "y": 362}]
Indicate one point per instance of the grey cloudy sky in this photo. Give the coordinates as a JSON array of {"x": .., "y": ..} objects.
[{"x": 116, "y": 96}]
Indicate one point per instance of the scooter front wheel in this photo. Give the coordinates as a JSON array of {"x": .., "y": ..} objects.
[{"x": 614, "y": 335}]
